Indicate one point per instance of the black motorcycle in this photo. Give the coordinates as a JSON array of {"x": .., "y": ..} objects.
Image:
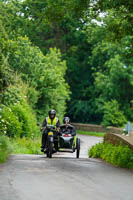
[
  {"x": 52, "y": 141},
  {"x": 63, "y": 142}
]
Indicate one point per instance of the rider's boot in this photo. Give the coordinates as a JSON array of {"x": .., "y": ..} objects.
[{"x": 42, "y": 148}]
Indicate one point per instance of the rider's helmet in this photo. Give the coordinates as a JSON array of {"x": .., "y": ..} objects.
[
  {"x": 52, "y": 114},
  {"x": 66, "y": 120}
]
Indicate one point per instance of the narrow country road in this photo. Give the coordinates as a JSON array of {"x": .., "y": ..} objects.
[{"x": 35, "y": 177}]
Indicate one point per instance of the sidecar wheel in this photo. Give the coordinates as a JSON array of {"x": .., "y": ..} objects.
[
  {"x": 78, "y": 148},
  {"x": 77, "y": 153}
]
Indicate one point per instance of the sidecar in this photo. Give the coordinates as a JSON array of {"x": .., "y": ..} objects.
[{"x": 69, "y": 143}]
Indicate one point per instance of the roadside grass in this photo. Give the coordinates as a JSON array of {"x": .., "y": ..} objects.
[
  {"x": 98, "y": 134},
  {"x": 26, "y": 146},
  {"x": 5, "y": 148},
  {"x": 120, "y": 156}
]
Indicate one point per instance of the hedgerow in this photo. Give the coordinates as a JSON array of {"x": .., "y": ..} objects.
[
  {"x": 121, "y": 156},
  {"x": 5, "y": 148}
]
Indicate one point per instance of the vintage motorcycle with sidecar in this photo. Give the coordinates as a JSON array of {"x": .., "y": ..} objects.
[{"x": 62, "y": 142}]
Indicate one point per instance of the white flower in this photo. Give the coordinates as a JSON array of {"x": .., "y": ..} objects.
[{"x": 2, "y": 120}]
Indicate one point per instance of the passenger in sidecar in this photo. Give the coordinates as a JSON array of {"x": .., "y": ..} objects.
[
  {"x": 67, "y": 127},
  {"x": 68, "y": 138}
]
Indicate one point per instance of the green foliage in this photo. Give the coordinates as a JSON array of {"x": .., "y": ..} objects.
[
  {"x": 16, "y": 117},
  {"x": 5, "y": 148},
  {"x": 96, "y": 150},
  {"x": 17, "y": 121},
  {"x": 112, "y": 115},
  {"x": 13, "y": 95},
  {"x": 27, "y": 119},
  {"x": 120, "y": 155},
  {"x": 26, "y": 146},
  {"x": 32, "y": 95},
  {"x": 120, "y": 13},
  {"x": 44, "y": 74},
  {"x": 53, "y": 88},
  {"x": 6, "y": 74},
  {"x": 99, "y": 68},
  {"x": 112, "y": 71},
  {"x": 98, "y": 134},
  {"x": 9, "y": 123}
]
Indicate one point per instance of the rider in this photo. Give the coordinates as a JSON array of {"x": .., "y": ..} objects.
[
  {"x": 50, "y": 120},
  {"x": 67, "y": 127}
]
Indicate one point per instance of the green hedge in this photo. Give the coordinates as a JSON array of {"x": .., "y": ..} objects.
[
  {"x": 120, "y": 155},
  {"x": 18, "y": 121},
  {"x": 5, "y": 148}
]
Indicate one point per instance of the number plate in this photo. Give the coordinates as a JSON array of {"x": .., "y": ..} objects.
[{"x": 50, "y": 133}]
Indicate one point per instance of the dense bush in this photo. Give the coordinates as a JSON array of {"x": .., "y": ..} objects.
[
  {"x": 112, "y": 115},
  {"x": 9, "y": 123},
  {"x": 120, "y": 155},
  {"x": 16, "y": 116},
  {"x": 17, "y": 121},
  {"x": 13, "y": 95},
  {"x": 5, "y": 148},
  {"x": 6, "y": 74},
  {"x": 27, "y": 119}
]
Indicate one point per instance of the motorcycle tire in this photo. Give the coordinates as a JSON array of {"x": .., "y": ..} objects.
[
  {"x": 78, "y": 148},
  {"x": 50, "y": 149},
  {"x": 47, "y": 153},
  {"x": 77, "y": 153}
]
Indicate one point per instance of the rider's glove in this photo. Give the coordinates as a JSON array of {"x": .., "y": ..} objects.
[{"x": 41, "y": 128}]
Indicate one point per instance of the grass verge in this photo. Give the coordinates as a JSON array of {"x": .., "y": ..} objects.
[
  {"x": 121, "y": 156},
  {"x": 98, "y": 134},
  {"x": 26, "y": 146},
  {"x": 5, "y": 148}
]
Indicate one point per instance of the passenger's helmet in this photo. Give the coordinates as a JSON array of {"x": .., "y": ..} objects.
[
  {"x": 52, "y": 112},
  {"x": 66, "y": 120}
]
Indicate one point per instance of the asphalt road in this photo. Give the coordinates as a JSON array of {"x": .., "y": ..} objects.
[{"x": 35, "y": 177}]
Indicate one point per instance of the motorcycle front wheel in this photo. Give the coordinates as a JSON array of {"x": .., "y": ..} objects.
[{"x": 50, "y": 150}]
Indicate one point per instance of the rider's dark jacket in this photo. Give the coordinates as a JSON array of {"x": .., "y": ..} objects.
[{"x": 68, "y": 129}]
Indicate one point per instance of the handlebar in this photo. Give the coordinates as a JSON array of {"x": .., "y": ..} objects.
[{"x": 50, "y": 126}]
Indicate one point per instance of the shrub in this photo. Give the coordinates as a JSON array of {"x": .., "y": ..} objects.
[
  {"x": 9, "y": 122},
  {"x": 13, "y": 95},
  {"x": 4, "y": 148},
  {"x": 27, "y": 120},
  {"x": 6, "y": 74},
  {"x": 18, "y": 121},
  {"x": 96, "y": 150},
  {"x": 112, "y": 115},
  {"x": 16, "y": 116},
  {"x": 119, "y": 155}
]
